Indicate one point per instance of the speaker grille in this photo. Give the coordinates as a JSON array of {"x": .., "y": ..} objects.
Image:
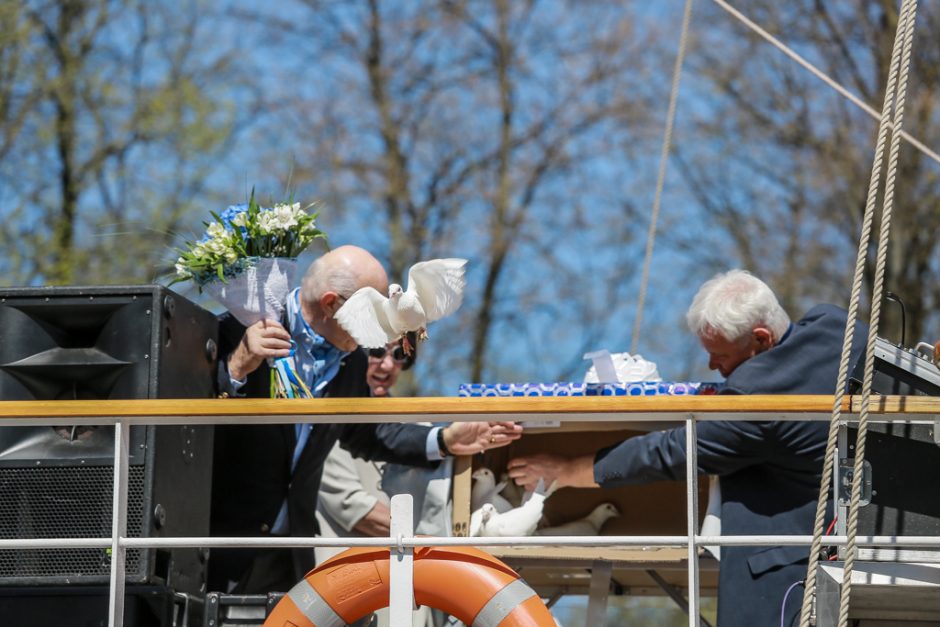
[{"x": 65, "y": 502}]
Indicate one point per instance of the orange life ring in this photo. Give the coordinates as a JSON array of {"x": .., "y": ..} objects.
[{"x": 465, "y": 582}]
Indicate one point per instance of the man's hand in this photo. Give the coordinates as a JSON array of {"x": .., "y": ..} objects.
[
  {"x": 376, "y": 523},
  {"x": 263, "y": 339},
  {"x": 574, "y": 472},
  {"x": 469, "y": 438}
]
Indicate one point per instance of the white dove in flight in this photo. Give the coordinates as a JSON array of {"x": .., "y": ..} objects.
[
  {"x": 520, "y": 521},
  {"x": 486, "y": 490},
  {"x": 590, "y": 525},
  {"x": 435, "y": 290}
]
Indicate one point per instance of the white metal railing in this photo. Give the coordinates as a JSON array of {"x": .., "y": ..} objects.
[{"x": 402, "y": 541}]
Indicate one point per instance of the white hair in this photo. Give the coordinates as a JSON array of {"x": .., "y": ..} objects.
[
  {"x": 322, "y": 277},
  {"x": 732, "y": 304}
]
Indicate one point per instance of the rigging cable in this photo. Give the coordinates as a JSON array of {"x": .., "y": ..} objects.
[
  {"x": 894, "y": 99},
  {"x": 828, "y": 80},
  {"x": 661, "y": 176}
]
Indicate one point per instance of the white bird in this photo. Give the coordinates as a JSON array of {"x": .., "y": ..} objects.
[
  {"x": 476, "y": 521},
  {"x": 519, "y": 521},
  {"x": 486, "y": 490},
  {"x": 435, "y": 290},
  {"x": 590, "y": 525}
]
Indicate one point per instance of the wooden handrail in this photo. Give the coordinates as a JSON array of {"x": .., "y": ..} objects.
[{"x": 583, "y": 408}]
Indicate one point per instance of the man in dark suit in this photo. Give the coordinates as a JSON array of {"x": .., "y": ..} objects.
[
  {"x": 770, "y": 471},
  {"x": 266, "y": 477}
]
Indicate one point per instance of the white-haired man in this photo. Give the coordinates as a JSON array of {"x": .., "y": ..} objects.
[{"x": 770, "y": 471}]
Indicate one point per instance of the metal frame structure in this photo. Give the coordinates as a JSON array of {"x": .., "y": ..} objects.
[{"x": 631, "y": 410}]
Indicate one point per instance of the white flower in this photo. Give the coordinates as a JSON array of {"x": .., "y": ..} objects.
[
  {"x": 218, "y": 246},
  {"x": 267, "y": 222},
  {"x": 215, "y": 230},
  {"x": 241, "y": 219},
  {"x": 286, "y": 215},
  {"x": 181, "y": 270}
]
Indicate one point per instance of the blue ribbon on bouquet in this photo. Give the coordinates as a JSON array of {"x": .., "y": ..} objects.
[{"x": 288, "y": 380}]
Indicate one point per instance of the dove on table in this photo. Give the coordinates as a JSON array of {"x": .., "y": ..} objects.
[
  {"x": 519, "y": 521},
  {"x": 486, "y": 490},
  {"x": 435, "y": 290},
  {"x": 590, "y": 525}
]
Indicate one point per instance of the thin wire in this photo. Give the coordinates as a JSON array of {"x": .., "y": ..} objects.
[
  {"x": 661, "y": 176},
  {"x": 783, "y": 606},
  {"x": 828, "y": 80}
]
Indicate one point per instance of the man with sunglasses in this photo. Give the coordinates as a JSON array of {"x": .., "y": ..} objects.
[
  {"x": 266, "y": 477},
  {"x": 355, "y": 493}
]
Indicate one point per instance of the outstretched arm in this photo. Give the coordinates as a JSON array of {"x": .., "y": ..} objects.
[
  {"x": 569, "y": 472},
  {"x": 469, "y": 438}
]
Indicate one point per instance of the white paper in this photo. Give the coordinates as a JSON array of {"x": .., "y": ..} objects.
[
  {"x": 258, "y": 293},
  {"x": 628, "y": 368}
]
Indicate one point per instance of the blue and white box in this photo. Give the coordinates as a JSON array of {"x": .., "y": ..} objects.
[{"x": 639, "y": 388}]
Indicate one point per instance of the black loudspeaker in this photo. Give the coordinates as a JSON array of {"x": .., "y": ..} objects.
[{"x": 131, "y": 342}]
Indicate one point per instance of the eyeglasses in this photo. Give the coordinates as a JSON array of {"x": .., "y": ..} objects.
[{"x": 398, "y": 354}]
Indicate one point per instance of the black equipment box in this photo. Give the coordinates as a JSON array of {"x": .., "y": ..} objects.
[
  {"x": 898, "y": 371},
  {"x": 902, "y": 461},
  {"x": 128, "y": 342},
  {"x": 87, "y": 606},
  {"x": 238, "y": 610}
]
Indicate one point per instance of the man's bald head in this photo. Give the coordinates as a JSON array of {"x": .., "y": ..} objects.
[
  {"x": 332, "y": 279},
  {"x": 343, "y": 270}
]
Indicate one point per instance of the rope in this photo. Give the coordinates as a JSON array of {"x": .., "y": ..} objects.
[
  {"x": 858, "y": 102},
  {"x": 661, "y": 176},
  {"x": 905, "y": 25}
]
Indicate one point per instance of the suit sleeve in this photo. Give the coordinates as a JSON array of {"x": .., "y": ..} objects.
[
  {"x": 342, "y": 496},
  {"x": 723, "y": 448},
  {"x": 390, "y": 442}
]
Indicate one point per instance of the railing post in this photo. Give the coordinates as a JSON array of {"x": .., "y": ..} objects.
[
  {"x": 401, "y": 563},
  {"x": 691, "y": 478},
  {"x": 118, "y": 524},
  {"x": 601, "y": 571}
]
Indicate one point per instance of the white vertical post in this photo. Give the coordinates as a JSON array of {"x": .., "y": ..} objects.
[
  {"x": 118, "y": 525},
  {"x": 401, "y": 563},
  {"x": 691, "y": 478}
]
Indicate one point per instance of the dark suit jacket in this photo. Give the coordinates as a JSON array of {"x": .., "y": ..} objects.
[
  {"x": 770, "y": 470},
  {"x": 251, "y": 464}
]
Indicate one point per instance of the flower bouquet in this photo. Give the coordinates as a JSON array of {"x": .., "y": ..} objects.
[{"x": 246, "y": 260}]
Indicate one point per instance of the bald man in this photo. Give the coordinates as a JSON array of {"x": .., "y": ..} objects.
[{"x": 266, "y": 477}]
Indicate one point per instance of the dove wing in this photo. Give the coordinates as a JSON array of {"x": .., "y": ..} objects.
[
  {"x": 363, "y": 316},
  {"x": 439, "y": 285}
]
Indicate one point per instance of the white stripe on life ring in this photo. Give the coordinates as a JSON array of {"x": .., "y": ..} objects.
[
  {"x": 312, "y": 605},
  {"x": 502, "y": 604}
]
